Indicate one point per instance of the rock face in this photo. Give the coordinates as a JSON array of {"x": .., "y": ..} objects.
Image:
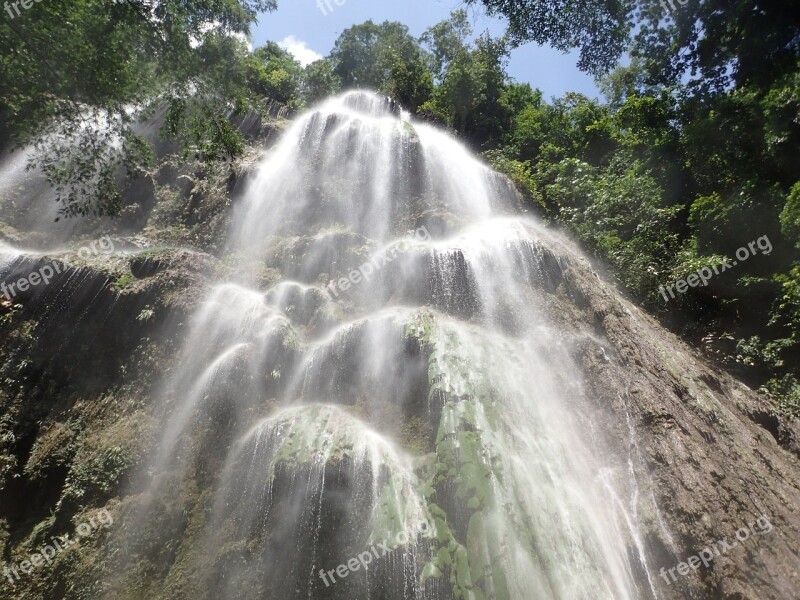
[
  {"x": 707, "y": 456},
  {"x": 324, "y": 406}
]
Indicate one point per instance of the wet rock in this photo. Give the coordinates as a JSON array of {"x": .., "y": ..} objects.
[
  {"x": 709, "y": 451},
  {"x": 150, "y": 262}
]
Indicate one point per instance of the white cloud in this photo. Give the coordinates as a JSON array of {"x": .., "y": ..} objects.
[
  {"x": 299, "y": 50},
  {"x": 245, "y": 38}
]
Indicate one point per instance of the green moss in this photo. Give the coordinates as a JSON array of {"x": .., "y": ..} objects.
[
  {"x": 415, "y": 435},
  {"x": 461, "y": 577},
  {"x": 430, "y": 571},
  {"x": 151, "y": 253},
  {"x": 123, "y": 281},
  {"x": 421, "y": 328}
]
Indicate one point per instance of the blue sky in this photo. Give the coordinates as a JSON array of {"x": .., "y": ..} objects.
[{"x": 305, "y": 30}]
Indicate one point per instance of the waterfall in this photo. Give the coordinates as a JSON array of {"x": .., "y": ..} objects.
[
  {"x": 29, "y": 203},
  {"x": 381, "y": 363}
]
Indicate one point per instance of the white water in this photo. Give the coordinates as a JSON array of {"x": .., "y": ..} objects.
[
  {"x": 28, "y": 202},
  {"x": 437, "y": 390}
]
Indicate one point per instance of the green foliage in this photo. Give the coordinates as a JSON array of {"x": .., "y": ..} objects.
[
  {"x": 786, "y": 311},
  {"x": 660, "y": 183},
  {"x": 790, "y": 216},
  {"x": 407, "y": 82},
  {"x": 363, "y": 55},
  {"x": 77, "y": 75},
  {"x": 786, "y": 390},
  {"x": 274, "y": 73},
  {"x": 620, "y": 216},
  {"x": 202, "y": 131},
  {"x": 473, "y": 93},
  {"x": 518, "y": 171},
  {"x": 702, "y": 46},
  {"x": 707, "y": 46},
  {"x": 446, "y": 40},
  {"x": 320, "y": 81},
  {"x": 381, "y": 57},
  {"x": 97, "y": 475},
  {"x": 599, "y": 29},
  {"x": 11, "y": 312},
  {"x": 624, "y": 82},
  {"x": 123, "y": 281},
  {"x": 81, "y": 158},
  {"x": 146, "y": 314}
]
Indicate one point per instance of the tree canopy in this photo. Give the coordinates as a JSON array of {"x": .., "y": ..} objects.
[{"x": 709, "y": 42}]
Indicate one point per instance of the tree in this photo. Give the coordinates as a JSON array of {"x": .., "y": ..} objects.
[
  {"x": 599, "y": 29},
  {"x": 471, "y": 94},
  {"x": 275, "y": 74},
  {"x": 381, "y": 57},
  {"x": 445, "y": 41},
  {"x": 319, "y": 81},
  {"x": 76, "y": 75},
  {"x": 624, "y": 82},
  {"x": 712, "y": 42},
  {"x": 408, "y": 82},
  {"x": 489, "y": 121},
  {"x": 717, "y": 43}
]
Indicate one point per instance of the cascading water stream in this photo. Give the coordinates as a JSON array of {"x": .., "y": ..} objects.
[{"x": 330, "y": 406}]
